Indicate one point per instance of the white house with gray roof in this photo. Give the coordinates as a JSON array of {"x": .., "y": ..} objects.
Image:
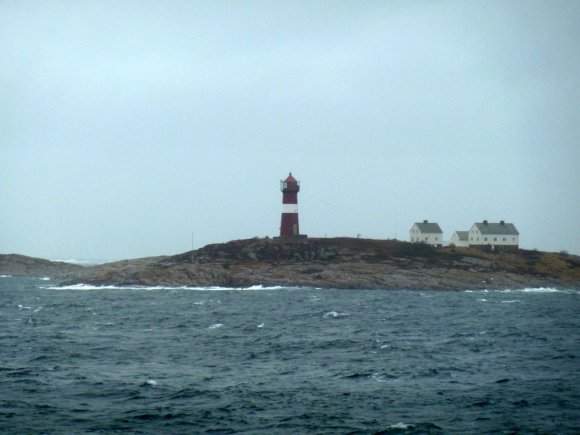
[
  {"x": 460, "y": 239},
  {"x": 494, "y": 236},
  {"x": 426, "y": 232}
]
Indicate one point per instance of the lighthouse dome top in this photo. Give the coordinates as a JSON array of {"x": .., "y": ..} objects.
[{"x": 290, "y": 184}]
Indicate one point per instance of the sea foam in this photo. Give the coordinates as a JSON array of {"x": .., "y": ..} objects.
[
  {"x": 137, "y": 287},
  {"x": 334, "y": 314},
  {"x": 523, "y": 290},
  {"x": 401, "y": 426}
]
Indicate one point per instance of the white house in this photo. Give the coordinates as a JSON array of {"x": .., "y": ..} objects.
[
  {"x": 494, "y": 236},
  {"x": 426, "y": 232},
  {"x": 460, "y": 239}
]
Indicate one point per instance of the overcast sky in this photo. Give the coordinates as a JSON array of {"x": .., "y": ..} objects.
[{"x": 126, "y": 126}]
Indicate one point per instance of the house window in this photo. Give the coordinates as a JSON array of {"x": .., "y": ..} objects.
[
  {"x": 504, "y": 239},
  {"x": 513, "y": 239},
  {"x": 485, "y": 239},
  {"x": 436, "y": 238},
  {"x": 495, "y": 239}
]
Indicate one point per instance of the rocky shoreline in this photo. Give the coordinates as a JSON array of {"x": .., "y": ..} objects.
[{"x": 341, "y": 263}]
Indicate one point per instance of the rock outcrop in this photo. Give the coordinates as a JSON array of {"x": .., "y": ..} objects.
[
  {"x": 20, "y": 265},
  {"x": 343, "y": 263}
]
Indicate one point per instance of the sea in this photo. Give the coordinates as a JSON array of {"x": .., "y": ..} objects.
[{"x": 277, "y": 360}]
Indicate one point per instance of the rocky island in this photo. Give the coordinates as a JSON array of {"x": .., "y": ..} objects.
[{"x": 341, "y": 263}]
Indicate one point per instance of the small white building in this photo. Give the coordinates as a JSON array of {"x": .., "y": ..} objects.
[
  {"x": 460, "y": 239},
  {"x": 426, "y": 232},
  {"x": 494, "y": 236}
]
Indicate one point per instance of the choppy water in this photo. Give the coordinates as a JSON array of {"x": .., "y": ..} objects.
[{"x": 293, "y": 361}]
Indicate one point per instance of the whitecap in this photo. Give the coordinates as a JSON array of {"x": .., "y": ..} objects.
[
  {"x": 5, "y": 276},
  {"x": 140, "y": 287},
  {"x": 215, "y": 326},
  {"x": 531, "y": 290},
  {"x": 510, "y": 302},
  {"x": 540, "y": 290},
  {"x": 151, "y": 382},
  {"x": 482, "y": 300},
  {"x": 523, "y": 290},
  {"x": 333, "y": 314},
  {"x": 261, "y": 325},
  {"x": 261, "y": 287},
  {"x": 258, "y": 287},
  {"x": 82, "y": 287},
  {"x": 378, "y": 377},
  {"x": 401, "y": 426}
]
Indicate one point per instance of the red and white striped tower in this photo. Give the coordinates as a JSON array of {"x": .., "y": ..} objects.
[{"x": 289, "y": 187}]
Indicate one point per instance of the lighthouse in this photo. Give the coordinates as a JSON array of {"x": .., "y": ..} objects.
[{"x": 289, "y": 226}]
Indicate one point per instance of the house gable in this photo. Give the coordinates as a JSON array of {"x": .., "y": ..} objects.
[
  {"x": 494, "y": 235},
  {"x": 426, "y": 232}
]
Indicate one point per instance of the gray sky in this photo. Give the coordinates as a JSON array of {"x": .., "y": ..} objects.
[{"x": 126, "y": 126}]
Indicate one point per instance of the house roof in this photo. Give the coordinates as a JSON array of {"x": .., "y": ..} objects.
[
  {"x": 496, "y": 228},
  {"x": 429, "y": 227},
  {"x": 462, "y": 235}
]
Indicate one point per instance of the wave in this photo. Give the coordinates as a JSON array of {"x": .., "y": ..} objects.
[
  {"x": 400, "y": 426},
  {"x": 86, "y": 287},
  {"x": 334, "y": 314},
  {"x": 523, "y": 290},
  {"x": 260, "y": 287},
  {"x": 5, "y": 276},
  {"x": 426, "y": 427},
  {"x": 534, "y": 290}
]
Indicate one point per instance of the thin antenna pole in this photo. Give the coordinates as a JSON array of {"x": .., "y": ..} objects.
[{"x": 192, "y": 246}]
